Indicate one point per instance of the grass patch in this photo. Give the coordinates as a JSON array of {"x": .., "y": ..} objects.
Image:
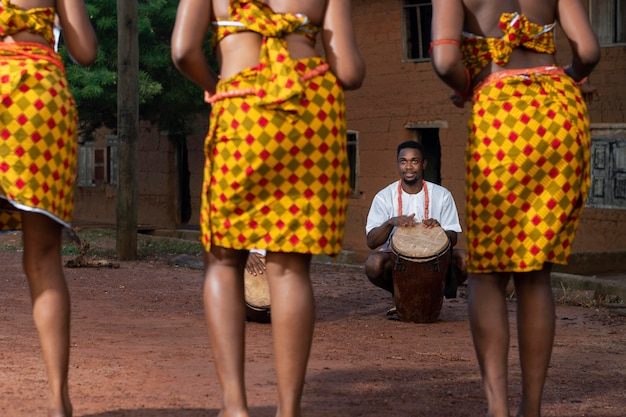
[
  {"x": 102, "y": 244},
  {"x": 153, "y": 246},
  {"x": 583, "y": 298}
]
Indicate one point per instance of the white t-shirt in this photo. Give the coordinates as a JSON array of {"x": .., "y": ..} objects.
[{"x": 441, "y": 207}]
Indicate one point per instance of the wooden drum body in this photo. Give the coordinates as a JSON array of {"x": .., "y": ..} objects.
[
  {"x": 422, "y": 257},
  {"x": 257, "y": 297}
]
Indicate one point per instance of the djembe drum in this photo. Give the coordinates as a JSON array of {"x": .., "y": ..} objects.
[
  {"x": 257, "y": 297},
  {"x": 422, "y": 258}
]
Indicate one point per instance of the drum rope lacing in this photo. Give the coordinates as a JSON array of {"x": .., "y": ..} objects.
[{"x": 426, "y": 201}]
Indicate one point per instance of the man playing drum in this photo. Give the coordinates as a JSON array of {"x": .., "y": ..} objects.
[{"x": 408, "y": 202}]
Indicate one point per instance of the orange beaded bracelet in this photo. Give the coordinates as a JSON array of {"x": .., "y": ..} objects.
[
  {"x": 442, "y": 42},
  {"x": 579, "y": 82}
]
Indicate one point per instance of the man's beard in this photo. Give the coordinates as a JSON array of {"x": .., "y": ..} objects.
[{"x": 410, "y": 182}]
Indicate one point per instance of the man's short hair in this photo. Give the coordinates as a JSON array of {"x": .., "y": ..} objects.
[{"x": 411, "y": 144}]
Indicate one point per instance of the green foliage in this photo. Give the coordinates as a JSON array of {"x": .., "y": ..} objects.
[
  {"x": 150, "y": 246},
  {"x": 166, "y": 97},
  {"x": 102, "y": 244}
]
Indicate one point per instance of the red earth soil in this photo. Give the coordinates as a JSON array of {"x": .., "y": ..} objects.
[{"x": 140, "y": 349}]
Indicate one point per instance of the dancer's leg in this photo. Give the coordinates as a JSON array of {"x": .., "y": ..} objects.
[
  {"x": 293, "y": 318},
  {"x": 490, "y": 331},
  {"x": 225, "y": 315},
  {"x": 51, "y": 304},
  {"x": 535, "y": 324}
]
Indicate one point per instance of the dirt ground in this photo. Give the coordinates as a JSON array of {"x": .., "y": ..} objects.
[{"x": 140, "y": 349}]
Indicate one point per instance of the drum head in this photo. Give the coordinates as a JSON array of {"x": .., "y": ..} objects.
[
  {"x": 257, "y": 297},
  {"x": 257, "y": 290},
  {"x": 419, "y": 242}
]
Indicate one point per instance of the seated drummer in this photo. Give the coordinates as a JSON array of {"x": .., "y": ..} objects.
[{"x": 392, "y": 208}]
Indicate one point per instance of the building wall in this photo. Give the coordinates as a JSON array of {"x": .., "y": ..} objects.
[
  {"x": 396, "y": 94},
  {"x": 157, "y": 185}
]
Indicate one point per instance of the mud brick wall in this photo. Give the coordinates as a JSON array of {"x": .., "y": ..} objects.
[{"x": 396, "y": 98}]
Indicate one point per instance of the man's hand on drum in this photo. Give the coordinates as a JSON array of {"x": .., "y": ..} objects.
[
  {"x": 403, "y": 221},
  {"x": 430, "y": 223},
  {"x": 255, "y": 264}
]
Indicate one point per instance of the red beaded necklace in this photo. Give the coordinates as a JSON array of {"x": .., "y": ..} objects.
[{"x": 425, "y": 199}]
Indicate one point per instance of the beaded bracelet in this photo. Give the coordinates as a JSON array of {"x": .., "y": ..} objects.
[
  {"x": 442, "y": 42},
  {"x": 577, "y": 83},
  {"x": 581, "y": 82}
]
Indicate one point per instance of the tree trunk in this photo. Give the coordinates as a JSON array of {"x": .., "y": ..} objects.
[{"x": 127, "y": 128}]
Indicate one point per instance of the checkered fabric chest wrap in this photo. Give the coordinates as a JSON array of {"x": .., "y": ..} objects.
[
  {"x": 37, "y": 136},
  {"x": 527, "y": 170}
]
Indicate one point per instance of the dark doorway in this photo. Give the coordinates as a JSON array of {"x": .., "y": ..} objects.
[
  {"x": 430, "y": 139},
  {"x": 183, "y": 175}
]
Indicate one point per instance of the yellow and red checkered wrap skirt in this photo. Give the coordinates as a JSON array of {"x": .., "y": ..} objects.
[
  {"x": 276, "y": 175},
  {"x": 37, "y": 135},
  {"x": 527, "y": 170}
]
